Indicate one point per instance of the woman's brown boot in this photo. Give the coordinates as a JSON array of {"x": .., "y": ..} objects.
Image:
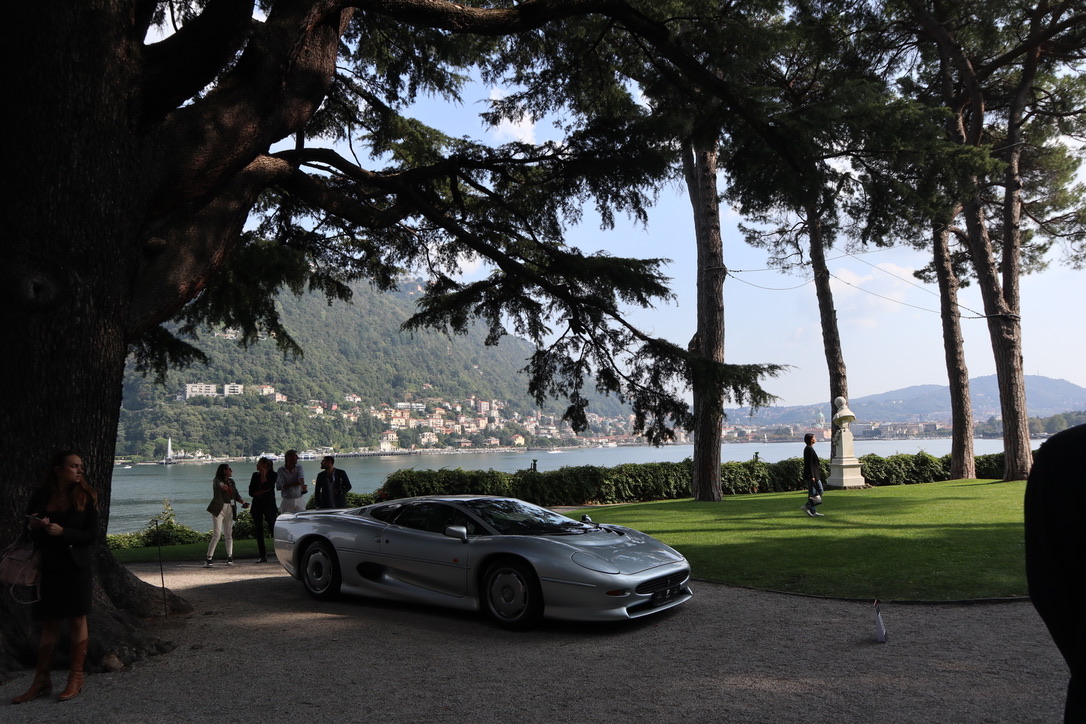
[
  {"x": 75, "y": 675},
  {"x": 42, "y": 683}
]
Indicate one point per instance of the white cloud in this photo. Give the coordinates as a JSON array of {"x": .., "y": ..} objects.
[{"x": 522, "y": 130}]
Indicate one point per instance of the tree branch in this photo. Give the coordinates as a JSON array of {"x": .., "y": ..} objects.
[
  {"x": 278, "y": 82},
  {"x": 177, "y": 68},
  {"x": 184, "y": 249}
]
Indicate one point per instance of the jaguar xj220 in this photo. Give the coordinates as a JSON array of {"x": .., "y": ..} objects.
[{"x": 516, "y": 561}]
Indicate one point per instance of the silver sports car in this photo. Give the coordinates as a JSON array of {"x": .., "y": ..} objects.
[{"x": 516, "y": 561}]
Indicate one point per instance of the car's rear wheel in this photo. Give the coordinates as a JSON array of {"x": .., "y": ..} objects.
[
  {"x": 512, "y": 595},
  {"x": 320, "y": 570}
]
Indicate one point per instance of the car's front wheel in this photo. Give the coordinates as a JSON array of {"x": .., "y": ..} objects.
[
  {"x": 320, "y": 570},
  {"x": 512, "y": 595}
]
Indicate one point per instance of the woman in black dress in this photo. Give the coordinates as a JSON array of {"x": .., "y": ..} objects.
[
  {"x": 262, "y": 491},
  {"x": 63, "y": 520}
]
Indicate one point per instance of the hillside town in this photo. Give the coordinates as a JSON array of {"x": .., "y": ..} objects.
[{"x": 476, "y": 422}]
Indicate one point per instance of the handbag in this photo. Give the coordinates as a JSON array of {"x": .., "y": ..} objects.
[{"x": 20, "y": 567}]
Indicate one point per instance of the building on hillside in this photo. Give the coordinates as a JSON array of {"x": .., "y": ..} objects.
[
  {"x": 201, "y": 390},
  {"x": 232, "y": 388},
  {"x": 389, "y": 440},
  {"x": 265, "y": 390}
]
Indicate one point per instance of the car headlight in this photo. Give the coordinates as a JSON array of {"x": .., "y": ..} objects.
[{"x": 594, "y": 563}]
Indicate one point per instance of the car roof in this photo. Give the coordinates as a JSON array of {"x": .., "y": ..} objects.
[{"x": 450, "y": 497}]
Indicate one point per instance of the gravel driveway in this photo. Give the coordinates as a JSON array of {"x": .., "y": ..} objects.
[{"x": 258, "y": 649}]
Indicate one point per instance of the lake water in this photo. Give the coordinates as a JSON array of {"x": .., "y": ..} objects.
[{"x": 138, "y": 492}]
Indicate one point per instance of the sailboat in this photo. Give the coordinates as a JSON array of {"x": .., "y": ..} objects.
[{"x": 168, "y": 460}]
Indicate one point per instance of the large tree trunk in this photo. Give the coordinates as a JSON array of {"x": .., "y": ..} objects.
[
  {"x": 831, "y": 335},
  {"x": 699, "y": 169},
  {"x": 75, "y": 178},
  {"x": 1005, "y": 332},
  {"x": 964, "y": 93},
  {"x": 131, "y": 182},
  {"x": 962, "y": 462}
]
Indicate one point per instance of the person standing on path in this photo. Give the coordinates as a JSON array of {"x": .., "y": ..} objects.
[
  {"x": 62, "y": 519},
  {"x": 263, "y": 510},
  {"x": 812, "y": 475},
  {"x": 290, "y": 482},
  {"x": 332, "y": 485},
  {"x": 223, "y": 509}
]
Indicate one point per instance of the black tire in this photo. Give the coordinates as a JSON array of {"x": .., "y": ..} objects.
[
  {"x": 511, "y": 594},
  {"x": 320, "y": 570}
]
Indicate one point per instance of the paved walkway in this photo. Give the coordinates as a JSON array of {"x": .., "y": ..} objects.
[{"x": 258, "y": 649}]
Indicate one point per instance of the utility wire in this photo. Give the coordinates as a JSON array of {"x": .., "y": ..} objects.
[
  {"x": 768, "y": 289},
  {"x": 911, "y": 282},
  {"x": 844, "y": 254}
]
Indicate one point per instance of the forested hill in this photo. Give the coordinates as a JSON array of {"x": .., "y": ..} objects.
[
  {"x": 358, "y": 348},
  {"x": 349, "y": 348}
]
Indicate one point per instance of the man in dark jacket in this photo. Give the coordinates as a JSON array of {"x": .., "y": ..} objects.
[
  {"x": 332, "y": 485},
  {"x": 812, "y": 475},
  {"x": 1056, "y": 553}
]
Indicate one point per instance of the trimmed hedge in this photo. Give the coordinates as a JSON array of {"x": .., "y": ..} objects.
[
  {"x": 564, "y": 486},
  {"x": 630, "y": 483}
]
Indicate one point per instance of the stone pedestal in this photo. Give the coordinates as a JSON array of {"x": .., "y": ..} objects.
[
  {"x": 845, "y": 473},
  {"x": 844, "y": 467}
]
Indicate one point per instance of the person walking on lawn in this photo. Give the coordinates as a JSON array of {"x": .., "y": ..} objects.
[{"x": 812, "y": 472}]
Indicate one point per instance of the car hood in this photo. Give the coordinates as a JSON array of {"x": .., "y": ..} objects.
[{"x": 628, "y": 550}]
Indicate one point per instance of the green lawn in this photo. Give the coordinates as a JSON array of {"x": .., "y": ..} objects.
[
  {"x": 945, "y": 541},
  {"x": 959, "y": 539}
]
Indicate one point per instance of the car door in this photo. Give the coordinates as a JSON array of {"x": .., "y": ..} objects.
[
  {"x": 356, "y": 538},
  {"x": 416, "y": 550}
]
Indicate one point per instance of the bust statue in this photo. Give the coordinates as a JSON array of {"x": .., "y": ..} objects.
[{"x": 843, "y": 417}]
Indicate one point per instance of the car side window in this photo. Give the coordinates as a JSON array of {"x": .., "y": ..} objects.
[
  {"x": 433, "y": 518},
  {"x": 385, "y": 513}
]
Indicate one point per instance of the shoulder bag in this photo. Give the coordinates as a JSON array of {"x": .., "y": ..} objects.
[{"x": 20, "y": 567}]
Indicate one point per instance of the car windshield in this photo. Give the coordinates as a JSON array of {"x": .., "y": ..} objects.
[{"x": 515, "y": 517}]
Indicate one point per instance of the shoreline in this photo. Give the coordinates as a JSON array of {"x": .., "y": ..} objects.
[{"x": 119, "y": 462}]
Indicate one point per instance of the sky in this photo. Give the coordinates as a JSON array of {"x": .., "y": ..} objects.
[{"x": 888, "y": 320}]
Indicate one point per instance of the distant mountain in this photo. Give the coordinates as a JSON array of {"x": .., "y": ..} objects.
[{"x": 931, "y": 403}]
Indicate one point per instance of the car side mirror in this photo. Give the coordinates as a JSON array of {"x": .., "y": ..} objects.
[
  {"x": 457, "y": 531},
  {"x": 585, "y": 518}
]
